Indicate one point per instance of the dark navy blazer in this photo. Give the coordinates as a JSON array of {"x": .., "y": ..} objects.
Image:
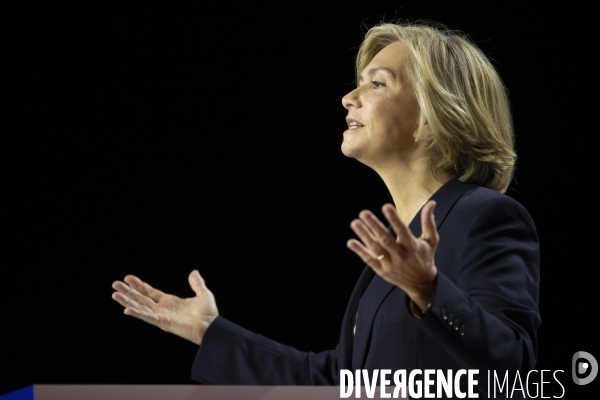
[{"x": 484, "y": 313}]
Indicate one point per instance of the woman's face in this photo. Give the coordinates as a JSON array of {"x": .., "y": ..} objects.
[{"x": 382, "y": 111}]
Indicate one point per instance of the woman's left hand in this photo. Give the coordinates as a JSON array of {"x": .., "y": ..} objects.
[{"x": 404, "y": 260}]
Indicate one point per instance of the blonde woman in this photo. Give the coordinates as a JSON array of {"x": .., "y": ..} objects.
[{"x": 453, "y": 283}]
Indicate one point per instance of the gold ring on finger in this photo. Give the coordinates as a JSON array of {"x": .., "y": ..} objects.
[{"x": 381, "y": 257}]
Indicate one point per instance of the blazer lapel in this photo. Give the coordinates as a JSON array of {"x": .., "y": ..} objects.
[
  {"x": 376, "y": 289},
  {"x": 368, "y": 305},
  {"x": 346, "y": 339},
  {"x": 445, "y": 197}
]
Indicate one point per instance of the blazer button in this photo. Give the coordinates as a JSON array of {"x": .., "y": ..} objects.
[
  {"x": 444, "y": 314},
  {"x": 450, "y": 319},
  {"x": 461, "y": 331},
  {"x": 456, "y": 322}
]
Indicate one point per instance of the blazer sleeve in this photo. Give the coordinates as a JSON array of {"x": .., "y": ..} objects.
[
  {"x": 486, "y": 315},
  {"x": 230, "y": 354}
]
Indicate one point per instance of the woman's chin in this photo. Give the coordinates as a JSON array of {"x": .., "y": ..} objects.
[
  {"x": 350, "y": 147},
  {"x": 348, "y": 150}
]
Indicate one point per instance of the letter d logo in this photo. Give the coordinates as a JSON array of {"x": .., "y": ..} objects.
[{"x": 583, "y": 367}]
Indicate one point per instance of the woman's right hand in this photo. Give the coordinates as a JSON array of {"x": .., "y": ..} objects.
[{"x": 188, "y": 318}]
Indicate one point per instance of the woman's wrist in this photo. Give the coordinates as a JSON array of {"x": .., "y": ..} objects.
[
  {"x": 418, "y": 312},
  {"x": 420, "y": 298}
]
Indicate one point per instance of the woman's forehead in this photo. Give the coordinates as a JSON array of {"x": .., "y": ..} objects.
[{"x": 392, "y": 59}]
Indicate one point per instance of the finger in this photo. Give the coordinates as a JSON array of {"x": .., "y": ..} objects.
[
  {"x": 405, "y": 236},
  {"x": 133, "y": 294},
  {"x": 366, "y": 254},
  {"x": 381, "y": 233},
  {"x": 144, "y": 288},
  {"x": 430, "y": 233},
  {"x": 366, "y": 236},
  {"x": 145, "y": 316},
  {"x": 196, "y": 282},
  {"x": 138, "y": 284},
  {"x": 129, "y": 303}
]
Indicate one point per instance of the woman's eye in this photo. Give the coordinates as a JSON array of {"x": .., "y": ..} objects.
[{"x": 377, "y": 84}]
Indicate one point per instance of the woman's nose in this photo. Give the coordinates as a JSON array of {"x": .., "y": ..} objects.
[{"x": 351, "y": 100}]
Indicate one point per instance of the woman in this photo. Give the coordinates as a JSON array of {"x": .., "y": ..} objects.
[{"x": 430, "y": 115}]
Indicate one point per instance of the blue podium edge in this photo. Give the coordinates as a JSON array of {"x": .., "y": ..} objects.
[{"x": 25, "y": 393}]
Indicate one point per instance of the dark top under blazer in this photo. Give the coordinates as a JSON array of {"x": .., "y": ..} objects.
[{"x": 487, "y": 286}]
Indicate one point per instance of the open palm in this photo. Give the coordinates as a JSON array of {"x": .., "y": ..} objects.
[{"x": 188, "y": 318}]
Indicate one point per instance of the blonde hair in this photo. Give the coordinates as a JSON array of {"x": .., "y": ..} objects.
[{"x": 465, "y": 116}]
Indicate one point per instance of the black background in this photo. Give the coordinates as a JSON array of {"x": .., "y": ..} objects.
[{"x": 153, "y": 139}]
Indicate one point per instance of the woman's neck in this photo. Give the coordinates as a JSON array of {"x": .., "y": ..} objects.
[{"x": 411, "y": 184}]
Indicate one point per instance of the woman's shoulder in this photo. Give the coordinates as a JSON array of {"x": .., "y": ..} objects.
[
  {"x": 479, "y": 195},
  {"x": 479, "y": 201}
]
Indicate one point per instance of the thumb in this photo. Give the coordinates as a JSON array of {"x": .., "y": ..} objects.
[
  {"x": 196, "y": 282},
  {"x": 430, "y": 233}
]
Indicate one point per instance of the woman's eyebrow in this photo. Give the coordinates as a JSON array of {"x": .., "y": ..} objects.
[{"x": 375, "y": 69}]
